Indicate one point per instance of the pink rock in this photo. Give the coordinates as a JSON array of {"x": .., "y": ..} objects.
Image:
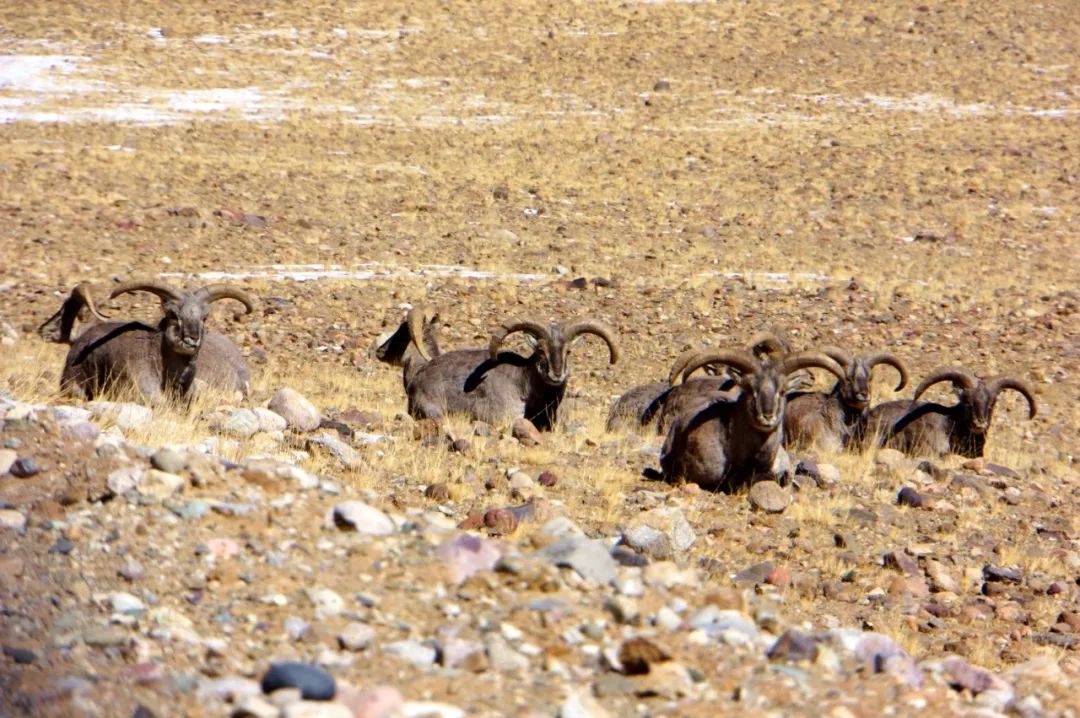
[
  {"x": 962, "y": 674},
  {"x": 223, "y": 548},
  {"x": 466, "y": 554},
  {"x": 379, "y": 702}
]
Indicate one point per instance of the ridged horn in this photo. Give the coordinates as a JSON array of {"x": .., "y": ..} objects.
[
  {"x": 499, "y": 335},
  {"x": 81, "y": 296},
  {"x": 680, "y": 364},
  {"x": 957, "y": 375},
  {"x": 599, "y": 329},
  {"x": 214, "y": 292},
  {"x": 806, "y": 360},
  {"x": 891, "y": 360},
  {"x": 736, "y": 358},
  {"x": 840, "y": 356},
  {"x": 416, "y": 319},
  {"x": 163, "y": 291},
  {"x": 997, "y": 384}
]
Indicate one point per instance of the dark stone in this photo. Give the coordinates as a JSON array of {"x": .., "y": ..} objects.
[
  {"x": 755, "y": 574},
  {"x": 935, "y": 471},
  {"x": 793, "y": 646},
  {"x": 661, "y": 85},
  {"x": 547, "y": 479},
  {"x": 910, "y": 497},
  {"x": 460, "y": 446},
  {"x": 62, "y": 546},
  {"x": 22, "y": 656},
  {"x": 627, "y": 557},
  {"x": 1061, "y": 640},
  {"x": 142, "y": 711},
  {"x": 903, "y": 562},
  {"x": 1002, "y": 574},
  {"x": 24, "y": 468},
  {"x": 999, "y": 470},
  {"x": 808, "y": 467},
  {"x": 314, "y": 683}
]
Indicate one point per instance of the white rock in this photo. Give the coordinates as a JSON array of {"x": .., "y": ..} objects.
[
  {"x": 581, "y": 704},
  {"x": 356, "y": 636},
  {"x": 125, "y": 415},
  {"x": 122, "y": 602},
  {"x": 360, "y": 517},
  {"x": 160, "y": 485},
  {"x": 270, "y": 420},
  {"x": 242, "y": 423},
  {"x": 125, "y": 479},
  {"x": 7, "y": 458},
  {"x": 11, "y": 519},
  {"x": 428, "y": 709},
  {"x": 327, "y": 602},
  {"x": 298, "y": 412},
  {"x": 316, "y": 709}
]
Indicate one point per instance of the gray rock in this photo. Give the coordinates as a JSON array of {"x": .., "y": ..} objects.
[
  {"x": 589, "y": 558},
  {"x": 327, "y": 602},
  {"x": 793, "y": 646},
  {"x": 299, "y": 413},
  {"x": 125, "y": 415},
  {"x": 356, "y": 636},
  {"x": 159, "y": 485},
  {"x": 768, "y": 496},
  {"x": 414, "y": 652},
  {"x": 503, "y": 657},
  {"x": 669, "y": 521},
  {"x": 125, "y": 479},
  {"x": 337, "y": 448},
  {"x": 25, "y": 468},
  {"x": 316, "y": 709},
  {"x": 12, "y": 519},
  {"x": 314, "y": 683},
  {"x": 241, "y": 423},
  {"x": 169, "y": 460},
  {"x": 122, "y": 602},
  {"x": 270, "y": 420},
  {"x": 360, "y": 517},
  {"x": 962, "y": 674}
]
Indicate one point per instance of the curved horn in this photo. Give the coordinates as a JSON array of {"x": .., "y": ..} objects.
[
  {"x": 680, "y": 364},
  {"x": 68, "y": 313},
  {"x": 417, "y": 317},
  {"x": 805, "y": 360},
  {"x": 163, "y": 291},
  {"x": 736, "y": 358},
  {"x": 599, "y": 329},
  {"x": 892, "y": 360},
  {"x": 998, "y": 383},
  {"x": 214, "y": 292},
  {"x": 83, "y": 294},
  {"x": 840, "y": 356},
  {"x": 766, "y": 344},
  {"x": 499, "y": 335},
  {"x": 957, "y": 375}
]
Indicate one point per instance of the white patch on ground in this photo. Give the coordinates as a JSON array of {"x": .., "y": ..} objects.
[{"x": 369, "y": 271}]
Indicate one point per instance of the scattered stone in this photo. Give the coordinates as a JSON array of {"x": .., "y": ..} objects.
[
  {"x": 241, "y": 423},
  {"x": 933, "y": 470},
  {"x": 356, "y": 636},
  {"x": 126, "y": 603},
  {"x": 270, "y": 420},
  {"x": 104, "y": 636},
  {"x": 12, "y": 519},
  {"x": 360, "y": 517},
  {"x": 902, "y": 561},
  {"x": 668, "y": 522},
  {"x": 62, "y": 546},
  {"x": 503, "y": 657},
  {"x": 159, "y": 485},
  {"x": 637, "y": 655},
  {"x": 316, "y": 709},
  {"x": 768, "y": 496},
  {"x": 314, "y": 683},
  {"x": 526, "y": 432},
  {"x": 940, "y": 579},
  {"x": 890, "y": 458},
  {"x": 884, "y": 655},
  {"x": 589, "y": 558},
  {"x": 299, "y": 413},
  {"x": 580, "y": 704},
  {"x": 1002, "y": 574},
  {"x": 7, "y": 458},
  {"x": 910, "y": 497},
  {"x": 125, "y": 415},
  {"x": 963, "y": 676},
  {"x": 466, "y": 554},
  {"x": 22, "y": 656},
  {"x": 755, "y": 574},
  {"x": 793, "y": 646},
  {"x": 256, "y": 707},
  {"x": 613, "y": 684},
  {"x": 327, "y": 602},
  {"x": 414, "y": 652},
  {"x": 169, "y": 460},
  {"x": 25, "y": 468},
  {"x": 348, "y": 456},
  {"x": 379, "y": 702}
]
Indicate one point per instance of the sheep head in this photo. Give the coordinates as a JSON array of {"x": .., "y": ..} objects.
[
  {"x": 552, "y": 344},
  {"x": 763, "y": 382},
  {"x": 978, "y": 396},
  {"x": 855, "y": 386},
  {"x": 184, "y": 313}
]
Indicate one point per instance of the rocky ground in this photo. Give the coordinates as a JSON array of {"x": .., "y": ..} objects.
[{"x": 690, "y": 173}]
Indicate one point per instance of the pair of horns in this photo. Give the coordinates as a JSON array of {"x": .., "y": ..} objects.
[
  {"x": 763, "y": 345},
  {"x": 207, "y": 294},
  {"x": 746, "y": 363},
  {"x": 846, "y": 360},
  {"x": 539, "y": 331},
  {"x": 967, "y": 381}
]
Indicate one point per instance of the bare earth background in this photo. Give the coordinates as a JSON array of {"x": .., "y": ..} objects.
[{"x": 904, "y": 177}]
